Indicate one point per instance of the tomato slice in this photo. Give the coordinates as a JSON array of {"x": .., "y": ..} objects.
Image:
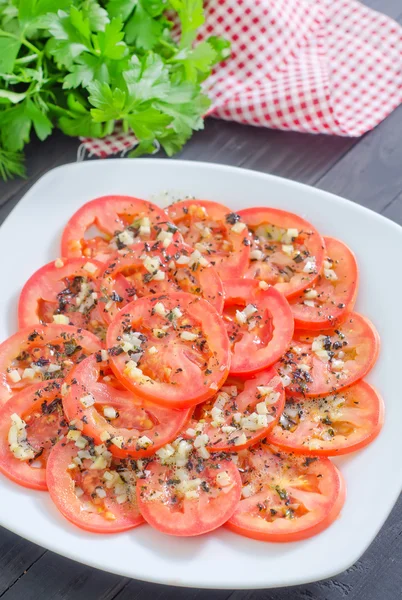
[
  {"x": 259, "y": 323},
  {"x": 171, "y": 349},
  {"x": 286, "y": 252},
  {"x": 332, "y": 296},
  {"x": 92, "y": 489},
  {"x": 184, "y": 494},
  {"x": 31, "y": 422},
  {"x": 110, "y": 223},
  {"x": 322, "y": 362},
  {"x": 216, "y": 232},
  {"x": 330, "y": 425},
  {"x": 152, "y": 269},
  {"x": 241, "y": 413},
  {"x": 286, "y": 497},
  {"x": 41, "y": 353},
  {"x": 64, "y": 288},
  {"x": 110, "y": 413}
]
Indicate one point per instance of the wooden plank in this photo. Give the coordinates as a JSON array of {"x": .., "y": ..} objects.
[
  {"x": 394, "y": 209},
  {"x": 370, "y": 173},
  {"x": 60, "y": 578},
  {"x": 16, "y": 556},
  {"x": 302, "y": 157}
]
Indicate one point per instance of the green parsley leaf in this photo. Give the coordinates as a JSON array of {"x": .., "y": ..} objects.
[
  {"x": 9, "y": 49},
  {"x": 142, "y": 29},
  {"x": 42, "y": 124},
  {"x": 15, "y": 127},
  {"x": 121, "y": 8}
]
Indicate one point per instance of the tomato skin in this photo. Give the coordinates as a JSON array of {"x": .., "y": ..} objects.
[
  {"x": 311, "y": 242},
  {"x": 230, "y": 263},
  {"x": 61, "y": 489},
  {"x": 27, "y": 401},
  {"x": 336, "y": 300},
  {"x": 197, "y": 516},
  {"x": 361, "y": 338},
  {"x": 106, "y": 213},
  {"x": 368, "y": 401},
  {"x": 47, "y": 285},
  {"x": 124, "y": 276},
  {"x": 85, "y": 379},
  {"x": 250, "y": 355},
  {"x": 192, "y": 370},
  {"x": 39, "y": 338},
  {"x": 319, "y": 516},
  {"x": 245, "y": 402}
]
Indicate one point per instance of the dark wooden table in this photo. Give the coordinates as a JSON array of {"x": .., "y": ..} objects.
[{"x": 366, "y": 170}]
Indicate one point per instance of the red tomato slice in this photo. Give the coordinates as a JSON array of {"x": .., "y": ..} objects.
[
  {"x": 259, "y": 323},
  {"x": 285, "y": 497},
  {"x": 330, "y": 425},
  {"x": 191, "y": 499},
  {"x": 152, "y": 269},
  {"x": 171, "y": 349},
  {"x": 41, "y": 353},
  {"x": 333, "y": 294},
  {"x": 110, "y": 223},
  {"x": 31, "y": 422},
  {"x": 287, "y": 251},
  {"x": 241, "y": 413},
  {"x": 216, "y": 232},
  {"x": 66, "y": 287},
  {"x": 92, "y": 489},
  {"x": 322, "y": 362},
  {"x": 129, "y": 425}
]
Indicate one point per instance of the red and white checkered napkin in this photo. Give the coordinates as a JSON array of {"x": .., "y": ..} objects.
[{"x": 318, "y": 66}]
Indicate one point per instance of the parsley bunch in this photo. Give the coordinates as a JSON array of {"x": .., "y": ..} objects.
[{"x": 82, "y": 65}]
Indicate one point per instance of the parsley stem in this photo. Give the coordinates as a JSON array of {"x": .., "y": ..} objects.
[
  {"x": 23, "y": 41},
  {"x": 31, "y": 47}
]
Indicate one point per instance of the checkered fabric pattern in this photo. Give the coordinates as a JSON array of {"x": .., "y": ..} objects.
[{"x": 318, "y": 66}]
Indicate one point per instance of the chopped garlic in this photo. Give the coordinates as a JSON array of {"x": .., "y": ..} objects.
[
  {"x": 87, "y": 400},
  {"x": 58, "y": 263},
  {"x": 126, "y": 237},
  {"x": 188, "y": 336},
  {"x": 310, "y": 294},
  {"x": 28, "y": 373},
  {"x": 118, "y": 441},
  {"x": 287, "y": 249},
  {"x": 309, "y": 303},
  {"x": 223, "y": 479},
  {"x": 256, "y": 255},
  {"x": 90, "y": 267},
  {"x": 109, "y": 412},
  {"x": 160, "y": 309},
  {"x": 240, "y": 440},
  {"x": 14, "y": 376},
  {"x": 330, "y": 275},
  {"x": 261, "y": 408},
  {"x": 238, "y": 227},
  {"x": 151, "y": 264},
  {"x": 263, "y": 285},
  {"x": 309, "y": 266},
  {"x": 144, "y": 442},
  {"x": 61, "y": 319},
  {"x": 183, "y": 260},
  {"x": 159, "y": 275}
]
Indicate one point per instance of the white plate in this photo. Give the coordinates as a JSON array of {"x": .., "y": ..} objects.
[{"x": 30, "y": 237}]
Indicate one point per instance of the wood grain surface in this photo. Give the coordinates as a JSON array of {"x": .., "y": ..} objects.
[{"x": 366, "y": 170}]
